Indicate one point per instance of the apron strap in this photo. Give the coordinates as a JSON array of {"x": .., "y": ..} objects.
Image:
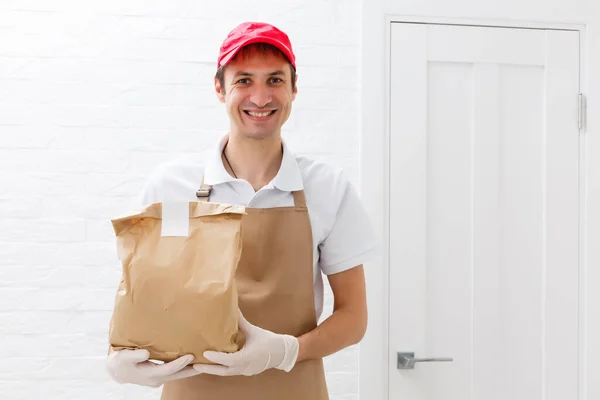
[
  {"x": 299, "y": 198},
  {"x": 204, "y": 192}
]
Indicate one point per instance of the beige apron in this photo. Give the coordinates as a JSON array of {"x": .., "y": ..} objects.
[{"x": 275, "y": 285}]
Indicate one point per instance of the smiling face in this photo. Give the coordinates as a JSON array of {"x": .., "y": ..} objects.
[{"x": 258, "y": 93}]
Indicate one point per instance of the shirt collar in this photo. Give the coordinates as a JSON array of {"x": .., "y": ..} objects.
[
  {"x": 288, "y": 178},
  {"x": 215, "y": 172}
]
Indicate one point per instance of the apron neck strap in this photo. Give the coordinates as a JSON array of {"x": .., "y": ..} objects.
[{"x": 299, "y": 198}]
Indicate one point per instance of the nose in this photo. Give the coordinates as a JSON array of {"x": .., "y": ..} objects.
[{"x": 261, "y": 96}]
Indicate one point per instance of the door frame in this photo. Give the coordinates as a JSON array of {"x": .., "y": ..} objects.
[{"x": 375, "y": 188}]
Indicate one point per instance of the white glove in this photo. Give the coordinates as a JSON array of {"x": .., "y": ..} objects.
[
  {"x": 263, "y": 350},
  {"x": 132, "y": 366}
]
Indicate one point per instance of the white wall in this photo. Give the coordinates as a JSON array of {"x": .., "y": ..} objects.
[
  {"x": 93, "y": 95},
  {"x": 374, "y": 174}
]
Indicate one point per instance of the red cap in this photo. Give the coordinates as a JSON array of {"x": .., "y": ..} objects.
[{"x": 254, "y": 32}]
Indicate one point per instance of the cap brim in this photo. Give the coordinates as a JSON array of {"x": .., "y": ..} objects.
[{"x": 259, "y": 39}]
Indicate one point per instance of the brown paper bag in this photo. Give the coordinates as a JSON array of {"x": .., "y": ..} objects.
[{"x": 177, "y": 294}]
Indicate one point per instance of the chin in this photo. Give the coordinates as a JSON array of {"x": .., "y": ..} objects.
[{"x": 259, "y": 135}]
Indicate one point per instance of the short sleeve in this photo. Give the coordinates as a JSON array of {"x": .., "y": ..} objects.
[
  {"x": 149, "y": 192},
  {"x": 174, "y": 180},
  {"x": 351, "y": 240}
]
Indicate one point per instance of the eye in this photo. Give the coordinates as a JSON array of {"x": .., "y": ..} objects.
[
  {"x": 243, "y": 81},
  {"x": 276, "y": 80}
]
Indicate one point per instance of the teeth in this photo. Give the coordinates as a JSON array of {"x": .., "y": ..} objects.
[{"x": 253, "y": 114}]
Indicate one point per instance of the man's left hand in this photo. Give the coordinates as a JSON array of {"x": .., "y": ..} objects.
[{"x": 263, "y": 350}]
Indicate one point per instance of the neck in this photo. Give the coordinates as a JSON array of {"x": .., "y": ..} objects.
[{"x": 256, "y": 161}]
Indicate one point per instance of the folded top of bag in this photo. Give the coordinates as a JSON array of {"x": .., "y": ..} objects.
[{"x": 196, "y": 209}]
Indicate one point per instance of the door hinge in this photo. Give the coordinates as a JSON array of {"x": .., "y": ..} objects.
[{"x": 582, "y": 111}]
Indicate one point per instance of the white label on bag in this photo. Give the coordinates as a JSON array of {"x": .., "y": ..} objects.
[{"x": 175, "y": 218}]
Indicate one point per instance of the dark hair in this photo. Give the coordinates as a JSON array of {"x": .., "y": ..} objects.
[{"x": 252, "y": 50}]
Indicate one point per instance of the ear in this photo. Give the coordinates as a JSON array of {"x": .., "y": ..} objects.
[
  {"x": 220, "y": 91},
  {"x": 295, "y": 91}
]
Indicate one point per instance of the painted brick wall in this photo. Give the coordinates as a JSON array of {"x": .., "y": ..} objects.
[{"x": 92, "y": 96}]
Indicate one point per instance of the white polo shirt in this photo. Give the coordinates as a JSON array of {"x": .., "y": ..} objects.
[{"x": 342, "y": 233}]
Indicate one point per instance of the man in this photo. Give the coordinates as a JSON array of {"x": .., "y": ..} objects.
[{"x": 304, "y": 219}]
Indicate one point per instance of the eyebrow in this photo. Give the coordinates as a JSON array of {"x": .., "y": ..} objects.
[{"x": 244, "y": 73}]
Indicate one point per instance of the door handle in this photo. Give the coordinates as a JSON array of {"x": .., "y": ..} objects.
[{"x": 407, "y": 360}]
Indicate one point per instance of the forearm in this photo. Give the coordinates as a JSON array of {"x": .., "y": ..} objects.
[{"x": 345, "y": 327}]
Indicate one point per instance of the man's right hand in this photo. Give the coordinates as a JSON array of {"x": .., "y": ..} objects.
[{"x": 133, "y": 366}]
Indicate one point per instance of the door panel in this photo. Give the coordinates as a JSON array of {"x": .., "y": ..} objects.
[
  {"x": 485, "y": 45},
  {"x": 484, "y": 212}
]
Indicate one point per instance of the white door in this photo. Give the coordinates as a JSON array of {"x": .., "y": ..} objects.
[{"x": 484, "y": 147}]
